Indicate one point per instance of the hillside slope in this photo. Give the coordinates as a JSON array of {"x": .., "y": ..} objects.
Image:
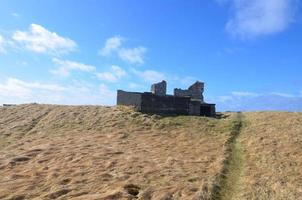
[
  {"x": 272, "y": 143},
  {"x": 95, "y": 152}
]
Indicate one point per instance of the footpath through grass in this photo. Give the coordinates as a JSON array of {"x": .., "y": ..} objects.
[{"x": 228, "y": 184}]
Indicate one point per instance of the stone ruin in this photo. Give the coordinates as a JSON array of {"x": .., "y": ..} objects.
[
  {"x": 8, "y": 105},
  {"x": 183, "y": 102},
  {"x": 194, "y": 91},
  {"x": 159, "y": 88}
]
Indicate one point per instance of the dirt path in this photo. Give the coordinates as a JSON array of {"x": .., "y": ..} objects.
[{"x": 228, "y": 182}]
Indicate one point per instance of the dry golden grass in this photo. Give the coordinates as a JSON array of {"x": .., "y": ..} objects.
[
  {"x": 272, "y": 143},
  {"x": 94, "y": 152}
]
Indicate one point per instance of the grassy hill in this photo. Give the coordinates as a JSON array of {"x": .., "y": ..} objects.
[{"x": 94, "y": 152}]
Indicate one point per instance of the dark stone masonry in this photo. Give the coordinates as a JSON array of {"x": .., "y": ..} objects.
[{"x": 183, "y": 102}]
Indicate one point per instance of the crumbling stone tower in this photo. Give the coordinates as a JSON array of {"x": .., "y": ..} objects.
[
  {"x": 195, "y": 91},
  {"x": 159, "y": 89}
]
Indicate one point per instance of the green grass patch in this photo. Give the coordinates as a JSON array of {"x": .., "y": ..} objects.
[{"x": 228, "y": 184}]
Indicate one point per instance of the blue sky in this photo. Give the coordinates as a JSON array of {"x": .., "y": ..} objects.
[{"x": 248, "y": 52}]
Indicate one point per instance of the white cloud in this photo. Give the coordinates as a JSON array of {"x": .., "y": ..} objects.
[
  {"x": 87, "y": 94},
  {"x": 186, "y": 80},
  {"x": 119, "y": 72},
  {"x": 107, "y": 76},
  {"x": 13, "y": 88},
  {"x": 249, "y": 95},
  {"x": 149, "y": 75},
  {"x": 37, "y": 85},
  {"x": 244, "y": 94},
  {"x": 131, "y": 55},
  {"x": 41, "y": 40},
  {"x": 247, "y": 101},
  {"x": 254, "y": 18},
  {"x": 223, "y": 98},
  {"x": 133, "y": 85},
  {"x": 113, "y": 75},
  {"x": 111, "y": 45},
  {"x": 16, "y": 15},
  {"x": 283, "y": 94},
  {"x": 110, "y": 95},
  {"x": 66, "y": 66},
  {"x": 2, "y": 43},
  {"x": 18, "y": 91}
]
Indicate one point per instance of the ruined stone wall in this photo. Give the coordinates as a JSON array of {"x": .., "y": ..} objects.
[
  {"x": 194, "y": 107},
  {"x": 183, "y": 102},
  {"x": 159, "y": 88},
  {"x": 165, "y": 104},
  {"x": 207, "y": 110},
  {"x": 194, "y": 91},
  {"x": 189, "y": 93},
  {"x": 129, "y": 99}
]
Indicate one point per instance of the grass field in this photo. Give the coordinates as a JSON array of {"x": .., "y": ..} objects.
[
  {"x": 272, "y": 143},
  {"x": 94, "y": 152}
]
